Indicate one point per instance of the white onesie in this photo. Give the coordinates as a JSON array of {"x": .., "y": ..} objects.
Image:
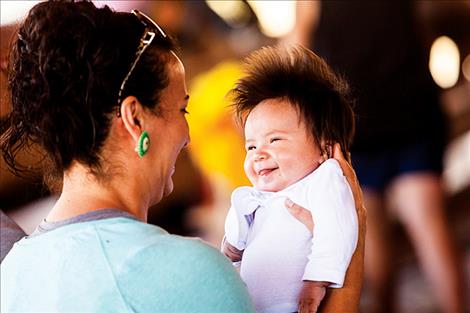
[{"x": 279, "y": 251}]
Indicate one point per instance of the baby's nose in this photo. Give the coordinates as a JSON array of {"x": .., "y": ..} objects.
[{"x": 260, "y": 155}]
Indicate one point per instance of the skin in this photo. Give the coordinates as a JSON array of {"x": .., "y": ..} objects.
[
  {"x": 132, "y": 184},
  {"x": 280, "y": 150},
  {"x": 161, "y": 160}
]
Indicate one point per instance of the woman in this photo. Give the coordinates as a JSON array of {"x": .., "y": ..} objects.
[{"x": 104, "y": 95}]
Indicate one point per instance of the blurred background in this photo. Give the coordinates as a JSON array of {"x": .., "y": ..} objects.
[{"x": 214, "y": 36}]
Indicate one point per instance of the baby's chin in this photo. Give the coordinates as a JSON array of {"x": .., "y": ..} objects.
[
  {"x": 271, "y": 188},
  {"x": 275, "y": 186}
]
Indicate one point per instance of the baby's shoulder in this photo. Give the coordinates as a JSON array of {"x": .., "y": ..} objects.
[{"x": 330, "y": 169}]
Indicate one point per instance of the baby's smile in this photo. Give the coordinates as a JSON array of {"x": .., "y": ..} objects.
[{"x": 266, "y": 171}]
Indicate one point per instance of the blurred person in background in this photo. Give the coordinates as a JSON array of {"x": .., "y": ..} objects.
[
  {"x": 400, "y": 138},
  {"x": 15, "y": 191},
  {"x": 10, "y": 233}
]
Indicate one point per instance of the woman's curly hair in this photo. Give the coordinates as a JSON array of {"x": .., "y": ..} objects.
[{"x": 66, "y": 68}]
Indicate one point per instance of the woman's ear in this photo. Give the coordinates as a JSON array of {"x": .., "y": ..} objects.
[{"x": 132, "y": 114}]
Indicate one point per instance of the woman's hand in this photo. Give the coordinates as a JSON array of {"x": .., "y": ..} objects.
[
  {"x": 351, "y": 177},
  {"x": 302, "y": 214}
]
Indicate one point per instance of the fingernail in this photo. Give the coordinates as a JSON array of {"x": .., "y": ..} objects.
[{"x": 289, "y": 203}]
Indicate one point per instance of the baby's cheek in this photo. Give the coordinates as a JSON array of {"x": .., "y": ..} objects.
[{"x": 249, "y": 172}]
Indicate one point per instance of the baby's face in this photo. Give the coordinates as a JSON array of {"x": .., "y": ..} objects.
[{"x": 280, "y": 151}]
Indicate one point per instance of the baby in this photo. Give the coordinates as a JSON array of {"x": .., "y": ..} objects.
[{"x": 292, "y": 107}]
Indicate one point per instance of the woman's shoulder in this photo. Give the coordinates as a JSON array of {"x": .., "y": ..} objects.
[
  {"x": 129, "y": 244},
  {"x": 165, "y": 268},
  {"x": 135, "y": 238}
]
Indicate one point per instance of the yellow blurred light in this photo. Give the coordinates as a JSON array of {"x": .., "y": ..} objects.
[
  {"x": 217, "y": 143},
  {"x": 276, "y": 18},
  {"x": 233, "y": 12},
  {"x": 466, "y": 67},
  {"x": 444, "y": 62}
]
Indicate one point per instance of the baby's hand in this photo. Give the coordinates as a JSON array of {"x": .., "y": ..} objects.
[
  {"x": 311, "y": 295},
  {"x": 231, "y": 252},
  {"x": 240, "y": 216}
]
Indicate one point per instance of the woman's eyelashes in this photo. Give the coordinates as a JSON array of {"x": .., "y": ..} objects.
[{"x": 185, "y": 110}]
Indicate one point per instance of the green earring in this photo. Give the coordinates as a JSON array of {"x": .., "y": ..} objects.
[{"x": 143, "y": 144}]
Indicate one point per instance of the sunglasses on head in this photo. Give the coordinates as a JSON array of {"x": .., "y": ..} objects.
[{"x": 151, "y": 31}]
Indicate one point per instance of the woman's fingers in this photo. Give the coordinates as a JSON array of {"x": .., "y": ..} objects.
[
  {"x": 327, "y": 153},
  {"x": 348, "y": 171},
  {"x": 300, "y": 213}
]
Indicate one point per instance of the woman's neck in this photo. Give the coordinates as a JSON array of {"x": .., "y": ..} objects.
[{"x": 83, "y": 193}]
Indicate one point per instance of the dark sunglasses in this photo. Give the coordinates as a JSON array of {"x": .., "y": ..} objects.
[{"x": 151, "y": 31}]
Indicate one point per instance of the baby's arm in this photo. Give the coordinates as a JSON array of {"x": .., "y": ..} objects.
[
  {"x": 311, "y": 295},
  {"x": 335, "y": 232},
  {"x": 238, "y": 222}
]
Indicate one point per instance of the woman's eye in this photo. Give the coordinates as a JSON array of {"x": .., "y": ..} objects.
[{"x": 185, "y": 111}]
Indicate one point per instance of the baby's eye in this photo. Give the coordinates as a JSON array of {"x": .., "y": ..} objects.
[
  {"x": 274, "y": 139},
  {"x": 250, "y": 148}
]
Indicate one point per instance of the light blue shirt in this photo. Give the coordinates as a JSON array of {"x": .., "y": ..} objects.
[{"x": 118, "y": 265}]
